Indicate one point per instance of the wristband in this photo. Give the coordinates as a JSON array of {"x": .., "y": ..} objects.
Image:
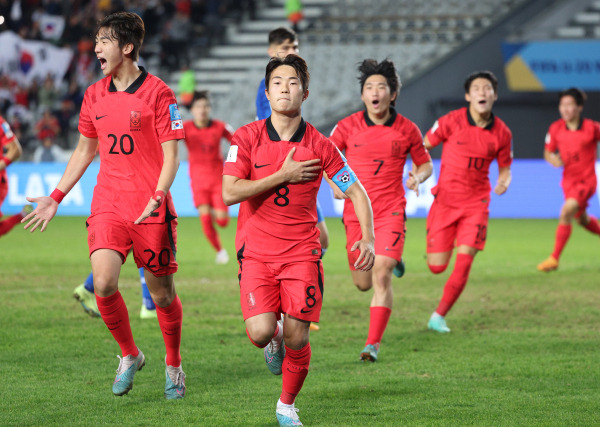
[
  {"x": 7, "y": 161},
  {"x": 57, "y": 195},
  {"x": 159, "y": 194}
]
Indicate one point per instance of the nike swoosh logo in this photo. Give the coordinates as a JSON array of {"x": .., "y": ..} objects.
[
  {"x": 174, "y": 333},
  {"x": 460, "y": 143},
  {"x": 305, "y": 312},
  {"x": 260, "y": 166},
  {"x": 99, "y": 117},
  {"x": 358, "y": 145},
  {"x": 112, "y": 329}
]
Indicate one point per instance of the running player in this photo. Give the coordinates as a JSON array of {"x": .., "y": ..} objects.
[
  {"x": 203, "y": 140},
  {"x": 10, "y": 151},
  {"x": 132, "y": 116},
  {"x": 472, "y": 138},
  {"x": 377, "y": 142},
  {"x": 571, "y": 142},
  {"x": 274, "y": 169}
]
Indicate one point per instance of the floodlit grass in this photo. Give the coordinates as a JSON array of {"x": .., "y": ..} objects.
[{"x": 523, "y": 348}]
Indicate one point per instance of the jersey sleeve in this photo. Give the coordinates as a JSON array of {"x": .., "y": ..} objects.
[
  {"x": 86, "y": 126},
  {"x": 228, "y": 132},
  {"x": 418, "y": 152},
  {"x": 6, "y": 134},
  {"x": 336, "y": 167},
  {"x": 263, "y": 107},
  {"x": 169, "y": 125},
  {"x": 438, "y": 132},
  {"x": 505, "y": 153},
  {"x": 238, "y": 158},
  {"x": 339, "y": 135},
  {"x": 551, "y": 141}
]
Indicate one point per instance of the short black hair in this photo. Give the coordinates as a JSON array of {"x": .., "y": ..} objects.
[
  {"x": 386, "y": 68},
  {"x": 578, "y": 95},
  {"x": 199, "y": 95},
  {"x": 281, "y": 35},
  {"x": 124, "y": 27},
  {"x": 293, "y": 61},
  {"x": 488, "y": 75}
]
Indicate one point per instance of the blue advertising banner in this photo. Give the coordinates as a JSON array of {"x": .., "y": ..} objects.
[
  {"x": 535, "y": 191},
  {"x": 552, "y": 65}
]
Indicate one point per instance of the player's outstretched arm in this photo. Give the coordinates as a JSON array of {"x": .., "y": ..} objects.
[
  {"x": 47, "y": 206},
  {"x": 236, "y": 190},
  {"x": 418, "y": 175},
  {"x": 553, "y": 158},
  {"x": 165, "y": 179},
  {"x": 504, "y": 178},
  {"x": 364, "y": 213}
]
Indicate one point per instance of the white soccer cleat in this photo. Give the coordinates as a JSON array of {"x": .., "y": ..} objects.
[
  {"x": 287, "y": 415},
  {"x": 222, "y": 257}
]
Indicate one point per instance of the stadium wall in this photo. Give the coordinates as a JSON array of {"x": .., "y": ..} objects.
[{"x": 534, "y": 193}]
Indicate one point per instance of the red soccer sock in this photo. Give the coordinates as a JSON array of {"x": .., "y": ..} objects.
[
  {"x": 222, "y": 222},
  {"x": 169, "y": 320},
  {"x": 115, "y": 316},
  {"x": 456, "y": 283},
  {"x": 563, "y": 232},
  {"x": 593, "y": 226},
  {"x": 377, "y": 325},
  {"x": 294, "y": 371},
  {"x": 210, "y": 232},
  {"x": 9, "y": 223}
]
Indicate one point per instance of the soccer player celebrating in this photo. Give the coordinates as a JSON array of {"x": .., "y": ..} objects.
[
  {"x": 274, "y": 168},
  {"x": 132, "y": 117},
  {"x": 571, "y": 143},
  {"x": 472, "y": 138},
  {"x": 203, "y": 140},
  {"x": 10, "y": 151},
  {"x": 377, "y": 142}
]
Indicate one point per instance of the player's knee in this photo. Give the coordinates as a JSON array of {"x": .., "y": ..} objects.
[
  {"x": 260, "y": 336},
  {"x": 105, "y": 286},
  {"x": 363, "y": 286},
  {"x": 222, "y": 222},
  {"x": 437, "y": 269}
]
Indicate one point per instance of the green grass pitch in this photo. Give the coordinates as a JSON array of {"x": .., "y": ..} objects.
[{"x": 524, "y": 347}]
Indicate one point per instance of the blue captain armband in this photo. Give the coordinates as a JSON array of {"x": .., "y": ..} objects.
[{"x": 344, "y": 178}]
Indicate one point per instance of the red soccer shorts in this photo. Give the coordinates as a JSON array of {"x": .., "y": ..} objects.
[
  {"x": 582, "y": 191},
  {"x": 154, "y": 245},
  {"x": 295, "y": 288},
  {"x": 211, "y": 194},
  {"x": 449, "y": 225},
  {"x": 390, "y": 231},
  {"x": 3, "y": 192}
]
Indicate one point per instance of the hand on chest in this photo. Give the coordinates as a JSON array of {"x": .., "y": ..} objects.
[{"x": 268, "y": 158}]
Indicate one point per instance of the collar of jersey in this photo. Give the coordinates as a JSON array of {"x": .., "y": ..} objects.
[
  {"x": 389, "y": 122},
  {"x": 133, "y": 86},
  {"x": 578, "y": 126},
  {"x": 489, "y": 126},
  {"x": 274, "y": 136},
  {"x": 209, "y": 124}
]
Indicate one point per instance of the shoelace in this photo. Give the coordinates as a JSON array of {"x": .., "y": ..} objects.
[
  {"x": 179, "y": 379},
  {"x": 290, "y": 412},
  {"x": 124, "y": 364}
]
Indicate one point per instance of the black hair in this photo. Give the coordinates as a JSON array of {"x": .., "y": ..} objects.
[
  {"x": 386, "y": 68},
  {"x": 488, "y": 75},
  {"x": 199, "y": 95},
  {"x": 124, "y": 27},
  {"x": 293, "y": 61},
  {"x": 578, "y": 95},
  {"x": 281, "y": 35}
]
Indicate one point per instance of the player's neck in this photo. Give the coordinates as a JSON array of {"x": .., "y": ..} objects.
[
  {"x": 125, "y": 75},
  {"x": 201, "y": 123},
  {"x": 286, "y": 125},
  {"x": 380, "y": 118},
  {"x": 573, "y": 124},
  {"x": 481, "y": 120}
]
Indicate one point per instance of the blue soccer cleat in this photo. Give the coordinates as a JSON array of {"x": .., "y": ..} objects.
[
  {"x": 438, "y": 323},
  {"x": 275, "y": 352},
  {"x": 175, "y": 383},
  {"x": 128, "y": 366},
  {"x": 369, "y": 353},
  {"x": 399, "y": 269},
  {"x": 287, "y": 416}
]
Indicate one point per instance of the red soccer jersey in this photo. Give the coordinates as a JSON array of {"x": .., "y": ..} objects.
[
  {"x": 6, "y": 137},
  {"x": 130, "y": 126},
  {"x": 377, "y": 153},
  {"x": 577, "y": 149},
  {"x": 204, "y": 151},
  {"x": 466, "y": 157},
  {"x": 280, "y": 224}
]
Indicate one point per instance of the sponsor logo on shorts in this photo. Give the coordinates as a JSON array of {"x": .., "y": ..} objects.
[{"x": 92, "y": 239}]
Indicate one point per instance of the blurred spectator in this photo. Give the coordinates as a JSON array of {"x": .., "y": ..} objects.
[
  {"x": 187, "y": 85},
  {"x": 293, "y": 11},
  {"x": 48, "y": 126},
  {"x": 64, "y": 116},
  {"x": 50, "y": 152},
  {"x": 47, "y": 95},
  {"x": 176, "y": 35}
]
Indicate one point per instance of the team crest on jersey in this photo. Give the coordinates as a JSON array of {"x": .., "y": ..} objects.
[
  {"x": 135, "y": 120},
  {"x": 251, "y": 300},
  {"x": 397, "y": 148}
]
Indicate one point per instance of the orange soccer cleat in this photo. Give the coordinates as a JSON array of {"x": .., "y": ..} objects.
[{"x": 549, "y": 264}]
